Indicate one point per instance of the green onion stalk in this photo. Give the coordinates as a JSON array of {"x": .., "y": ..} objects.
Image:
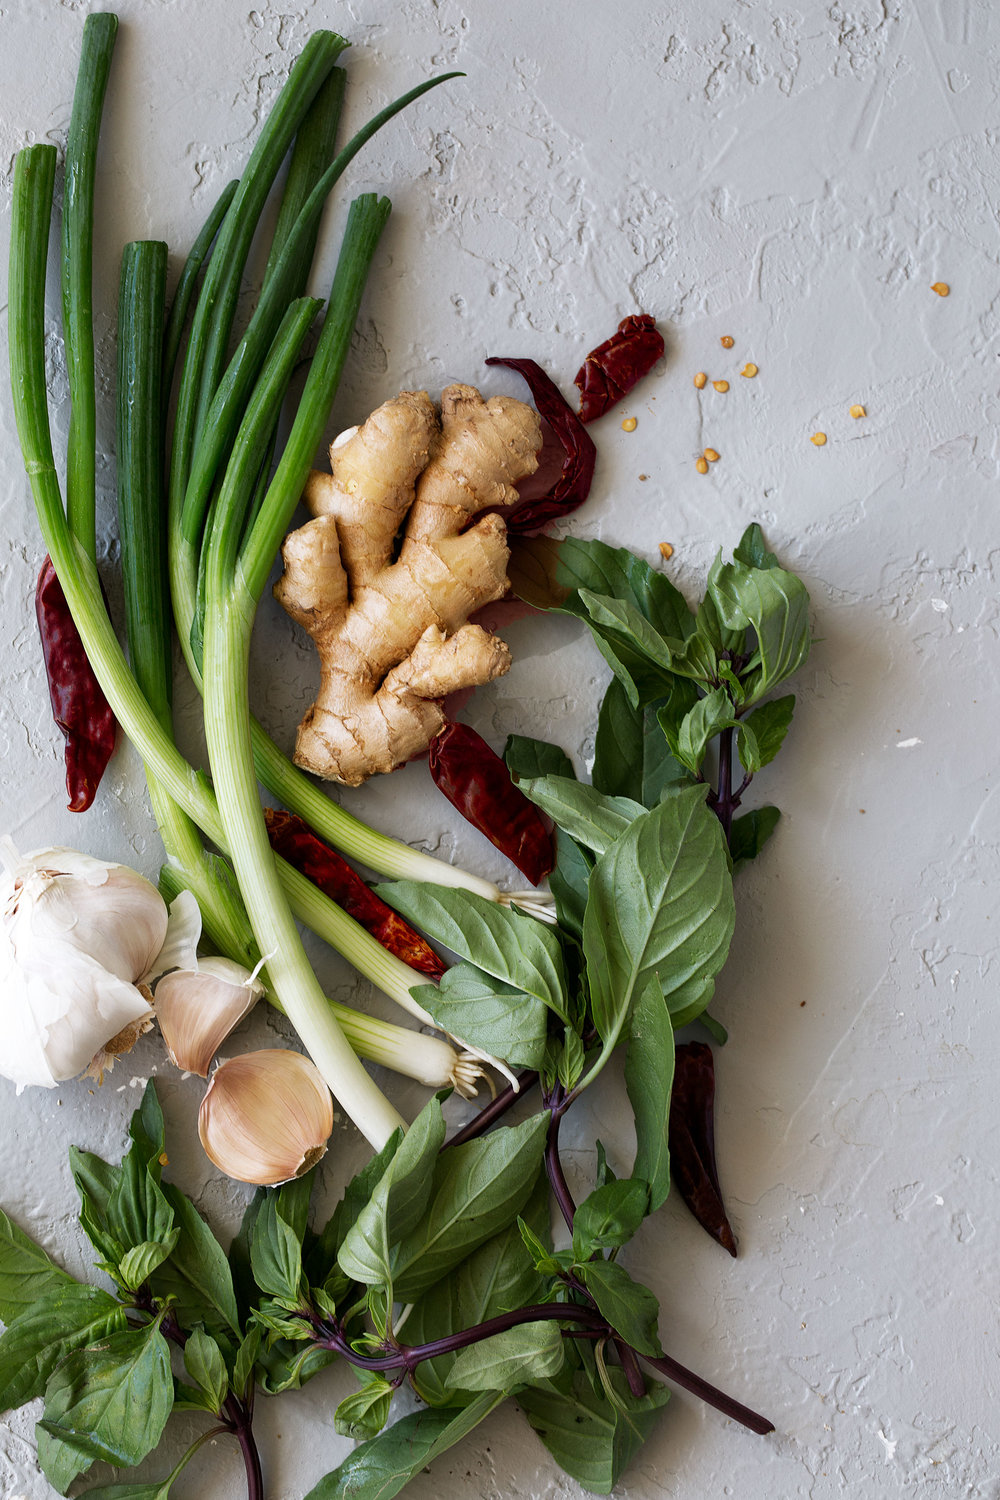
[
  {"x": 183, "y": 799},
  {"x": 205, "y": 425}
]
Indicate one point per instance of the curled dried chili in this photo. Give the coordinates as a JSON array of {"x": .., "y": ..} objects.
[
  {"x": 477, "y": 782},
  {"x": 611, "y": 370},
  {"x": 692, "y": 1141},
  {"x": 295, "y": 841},
  {"x": 79, "y": 706},
  {"x": 572, "y": 486}
]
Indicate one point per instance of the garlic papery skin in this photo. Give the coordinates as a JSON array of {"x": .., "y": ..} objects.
[
  {"x": 76, "y": 936},
  {"x": 65, "y": 898},
  {"x": 266, "y": 1117},
  {"x": 197, "y": 1009}
]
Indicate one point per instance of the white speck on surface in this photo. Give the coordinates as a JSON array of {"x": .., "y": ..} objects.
[
  {"x": 890, "y": 1446},
  {"x": 940, "y": 605},
  {"x": 908, "y": 744},
  {"x": 938, "y": 1200}
]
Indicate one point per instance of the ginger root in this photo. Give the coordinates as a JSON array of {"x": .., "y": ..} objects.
[{"x": 392, "y": 632}]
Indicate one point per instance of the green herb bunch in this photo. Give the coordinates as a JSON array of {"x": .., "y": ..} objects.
[{"x": 438, "y": 1266}]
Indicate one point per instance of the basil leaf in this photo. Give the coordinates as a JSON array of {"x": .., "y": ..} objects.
[
  {"x": 379, "y": 1469},
  {"x": 527, "y": 758},
  {"x": 66, "y": 1318},
  {"x": 204, "y": 1363},
  {"x": 770, "y": 724},
  {"x": 593, "y": 1440},
  {"x": 631, "y": 755},
  {"x": 27, "y": 1274},
  {"x": 276, "y": 1253},
  {"x": 649, "y": 1074},
  {"x": 478, "y": 1189},
  {"x": 504, "y": 1021},
  {"x": 587, "y": 815},
  {"x": 751, "y": 549},
  {"x": 629, "y": 1307},
  {"x": 112, "y": 1400},
  {"x": 775, "y": 605},
  {"x": 287, "y": 1367},
  {"x": 549, "y": 575},
  {"x": 497, "y": 1277},
  {"x": 531, "y": 1351},
  {"x": 364, "y": 1413},
  {"x": 139, "y": 1263},
  {"x": 138, "y": 1210},
  {"x": 155, "y": 1491},
  {"x": 60, "y": 1459},
  {"x": 707, "y": 718},
  {"x": 571, "y": 1059},
  {"x": 568, "y": 883},
  {"x": 196, "y": 1273},
  {"x": 661, "y": 902},
  {"x": 625, "y": 618},
  {"x": 398, "y": 1201},
  {"x": 246, "y": 1356},
  {"x": 507, "y": 944},
  {"x": 321, "y": 1257},
  {"x": 671, "y": 714},
  {"x": 747, "y": 747},
  {"x": 609, "y": 1216},
  {"x": 750, "y": 833}
]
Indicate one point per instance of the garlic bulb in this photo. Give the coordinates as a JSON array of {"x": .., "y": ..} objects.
[
  {"x": 266, "y": 1117},
  {"x": 198, "y": 1009},
  {"x": 77, "y": 936}
]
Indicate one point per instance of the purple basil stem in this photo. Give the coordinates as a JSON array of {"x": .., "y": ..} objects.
[
  {"x": 573, "y": 484},
  {"x": 692, "y": 1141}
]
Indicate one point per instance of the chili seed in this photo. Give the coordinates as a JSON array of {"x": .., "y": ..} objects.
[
  {"x": 749, "y": 371},
  {"x": 727, "y": 341},
  {"x": 819, "y": 438},
  {"x": 941, "y": 287},
  {"x": 721, "y": 386},
  {"x": 858, "y": 411},
  {"x": 701, "y": 465},
  {"x": 629, "y": 424},
  {"x": 711, "y": 455},
  {"x": 700, "y": 380},
  {"x": 666, "y": 551}
]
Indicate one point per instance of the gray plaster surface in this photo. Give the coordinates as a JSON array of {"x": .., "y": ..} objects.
[{"x": 795, "y": 176}]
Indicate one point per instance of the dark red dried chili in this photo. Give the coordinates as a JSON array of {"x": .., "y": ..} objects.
[
  {"x": 692, "y": 1141},
  {"x": 79, "y": 707},
  {"x": 477, "y": 782},
  {"x": 572, "y": 487},
  {"x": 295, "y": 841},
  {"x": 611, "y": 370}
]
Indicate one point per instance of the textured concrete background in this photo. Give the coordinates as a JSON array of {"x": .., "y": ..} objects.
[{"x": 795, "y": 176}]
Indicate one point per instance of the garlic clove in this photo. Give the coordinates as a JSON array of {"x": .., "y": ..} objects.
[
  {"x": 266, "y": 1117},
  {"x": 198, "y": 1009},
  {"x": 180, "y": 945}
]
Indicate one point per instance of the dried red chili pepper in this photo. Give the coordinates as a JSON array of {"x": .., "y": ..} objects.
[
  {"x": 692, "y": 1141},
  {"x": 579, "y": 453},
  {"x": 79, "y": 707},
  {"x": 611, "y": 370},
  {"x": 476, "y": 781},
  {"x": 295, "y": 841}
]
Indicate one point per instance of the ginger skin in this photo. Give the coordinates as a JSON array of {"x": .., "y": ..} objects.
[{"x": 393, "y": 636}]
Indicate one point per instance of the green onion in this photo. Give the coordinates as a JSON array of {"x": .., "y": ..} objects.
[
  {"x": 235, "y": 578},
  {"x": 99, "y": 33}
]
